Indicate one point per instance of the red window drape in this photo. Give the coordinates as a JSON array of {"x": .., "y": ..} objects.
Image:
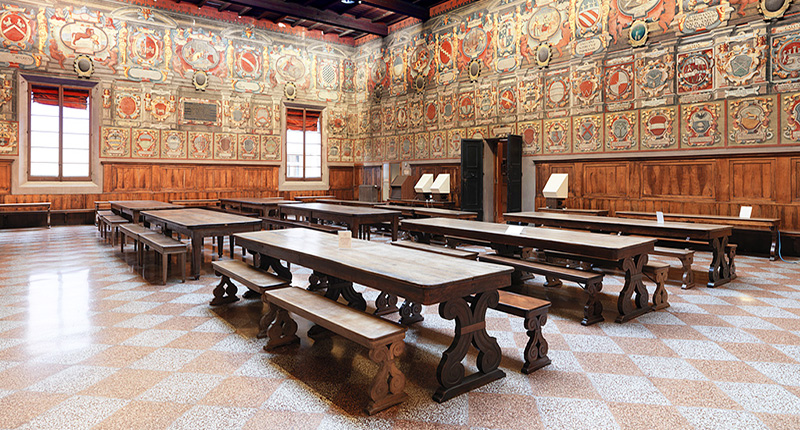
[
  {"x": 73, "y": 98},
  {"x": 294, "y": 119}
]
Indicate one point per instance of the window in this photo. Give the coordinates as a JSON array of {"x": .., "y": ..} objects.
[
  {"x": 303, "y": 144},
  {"x": 59, "y": 133}
]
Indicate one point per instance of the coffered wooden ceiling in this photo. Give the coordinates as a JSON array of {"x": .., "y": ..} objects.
[{"x": 354, "y": 20}]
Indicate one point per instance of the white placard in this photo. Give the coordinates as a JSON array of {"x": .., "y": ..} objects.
[
  {"x": 660, "y": 217},
  {"x": 745, "y": 211},
  {"x": 345, "y": 239},
  {"x": 515, "y": 229}
]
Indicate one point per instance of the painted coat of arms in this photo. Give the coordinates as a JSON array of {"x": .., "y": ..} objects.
[
  {"x": 271, "y": 148},
  {"x": 619, "y": 82},
  {"x": 145, "y": 143},
  {"x": 786, "y": 57},
  {"x": 557, "y": 89},
  {"x": 700, "y": 125},
  {"x": 622, "y": 131},
  {"x": 173, "y": 144},
  {"x": 446, "y": 70},
  {"x": 655, "y": 71},
  {"x": 695, "y": 71},
  {"x": 589, "y": 21},
  {"x": 9, "y": 138},
  {"x": 201, "y": 145},
  {"x": 740, "y": 63},
  {"x": 506, "y": 31},
  {"x": 531, "y": 132},
  {"x": 545, "y": 22},
  {"x": 752, "y": 121},
  {"x": 586, "y": 88},
  {"x": 587, "y": 133},
  {"x": 557, "y": 136},
  {"x": 697, "y": 16},
  {"x": 115, "y": 142},
  {"x": 198, "y": 50},
  {"x": 659, "y": 130},
  {"x": 80, "y": 31},
  {"x": 791, "y": 118}
]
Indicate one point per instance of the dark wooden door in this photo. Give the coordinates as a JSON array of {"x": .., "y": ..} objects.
[
  {"x": 472, "y": 176},
  {"x": 513, "y": 155}
]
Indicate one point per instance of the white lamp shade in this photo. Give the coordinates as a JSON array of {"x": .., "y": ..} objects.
[
  {"x": 442, "y": 184},
  {"x": 424, "y": 183},
  {"x": 556, "y": 186}
]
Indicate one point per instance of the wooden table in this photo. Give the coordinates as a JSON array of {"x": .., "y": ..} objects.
[
  {"x": 443, "y": 280},
  {"x": 424, "y": 203},
  {"x": 770, "y": 224},
  {"x": 263, "y": 206},
  {"x": 628, "y": 253},
  {"x": 131, "y": 208},
  {"x": 347, "y": 202},
  {"x": 354, "y": 217},
  {"x": 420, "y": 212},
  {"x": 598, "y": 212},
  {"x": 198, "y": 224},
  {"x": 311, "y": 199},
  {"x": 715, "y": 235}
]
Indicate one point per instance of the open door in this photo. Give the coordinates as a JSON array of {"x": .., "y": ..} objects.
[
  {"x": 513, "y": 163},
  {"x": 472, "y": 176}
]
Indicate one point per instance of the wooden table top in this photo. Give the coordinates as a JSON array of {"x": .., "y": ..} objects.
[
  {"x": 602, "y": 246},
  {"x": 338, "y": 209},
  {"x": 197, "y": 218},
  {"x": 266, "y": 201},
  {"x": 735, "y": 219},
  {"x": 347, "y": 202},
  {"x": 303, "y": 198},
  {"x": 627, "y": 225},
  {"x": 416, "y": 275},
  {"x": 602, "y": 212},
  {"x": 144, "y": 205}
]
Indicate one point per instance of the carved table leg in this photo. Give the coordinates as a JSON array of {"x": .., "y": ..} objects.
[
  {"x": 282, "y": 331},
  {"x": 593, "y": 310},
  {"x": 470, "y": 329},
  {"x": 410, "y": 313},
  {"x": 536, "y": 349},
  {"x": 719, "y": 270},
  {"x": 385, "y": 304},
  {"x": 335, "y": 287},
  {"x": 633, "y": 286},
  {"x": 265, "y": 262},
  {"x": 688, "y": 274},
  {"x": 224, "y": 295},
  {"x": 387, "y": 387}
]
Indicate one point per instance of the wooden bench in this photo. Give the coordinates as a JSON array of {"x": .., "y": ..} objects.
[
  {"x": 288, "y": 223},
  {"x": 730, "y": 249},
  {"x": 383, "y": 338},
  {"x": 165, "y": 246},
  {"x": 534, "y": 312},
  {"x": 452, "y": 252},
  {"x": 26, "y": 208},
  {"x": 658, "y": 273},
  {"x": 196, "y": 203},
  {"x": 110, "y": 224},
  {"x": 132, "y": 231},
  {"x": 256, "y": 280},
  {"x": 686, "y": 257},
  {"x": 593, "y": 281}
]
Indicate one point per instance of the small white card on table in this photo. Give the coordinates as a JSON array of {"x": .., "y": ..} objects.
[
  {"x": 345, "y": 239},
  {"x": 660, "y": 217},
  {"x": 515, "y": 229},
  {"x": 745, "y": 212}
]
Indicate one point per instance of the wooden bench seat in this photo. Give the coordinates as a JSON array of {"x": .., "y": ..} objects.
[
  {"x": 288, "y": 223},
  {"x": 383, "y": 338},
  {"x": 196, "y": 203},
  {"x": 458, "y": 253},
  {"x": 256, "y": 280},
  {"x": 27, "y": 208},
  {"x": 165, "y": 246},
  {"x": 132, "y": 231},
  {"x": 593, "y": 281},
  {"x": 534, "y": 311},
  {"x": 110, "y": 224}
]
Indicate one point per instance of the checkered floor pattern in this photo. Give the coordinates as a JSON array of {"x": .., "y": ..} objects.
[{"x": 87, "y": 342}]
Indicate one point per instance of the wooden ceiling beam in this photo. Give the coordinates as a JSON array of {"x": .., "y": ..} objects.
[
  {"x": 223, "y": 7},
  {"x": 322, "y": 16},
  {"x": 401, "y": 7}
]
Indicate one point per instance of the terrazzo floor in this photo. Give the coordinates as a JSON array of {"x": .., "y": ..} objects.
[{"x": 86, "y": 342}]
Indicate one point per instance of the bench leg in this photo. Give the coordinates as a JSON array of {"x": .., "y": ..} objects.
[
  {"x": 282, "y": 332},
  {"x": 266, "y": 319},
  {"x": 220, "y": 245},
  {"x": 732, "y": 263},
  {"x": 660, "y": 295},
  {"x": 687, "y": 279},
  {"x": 385, "y": 304},
  {"x": 224, "y": 295},
  {"x": 593, "y": 310},
  {"x": 164, "y": 267},
  {"x": 183, "y": 267},
  {"x": 552, "y": 282},
  {"x": 410, "y": 313},
  {"x": 536, "y": 349},
  {"x": 387, "y": 387}
]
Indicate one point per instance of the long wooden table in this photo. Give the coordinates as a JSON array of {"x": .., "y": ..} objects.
[
  {"x": 770, "y": 224},
  {"x": 347, "y": 202},
  {"x": 263, "y": 206},
  {"x": 601, "y": 212},
  {"x": 312, "y": 199},
  {"x": 630, "y": 254},
  {"x": 132, "y": 208},
  {"x": 444, "y": 204},
  {"x": 198, "y": 224},
  {"x": 420, "y": 212},
  {"x": 719, "y": 272},
  {"x": 442, "y": 280},
  {"x": 355, "y": 217}
]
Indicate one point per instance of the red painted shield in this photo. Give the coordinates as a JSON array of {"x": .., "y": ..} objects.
[
  {"x": 657, "y": 125},
  {"x": 14, "y": 28}
]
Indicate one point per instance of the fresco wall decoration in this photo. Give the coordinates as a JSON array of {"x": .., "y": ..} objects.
[{"x": 671, "y": 76}]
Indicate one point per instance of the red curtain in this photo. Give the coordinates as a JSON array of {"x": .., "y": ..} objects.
[
  {"x": 73, "y": 97},
  {"x": 294, "y": 119}
]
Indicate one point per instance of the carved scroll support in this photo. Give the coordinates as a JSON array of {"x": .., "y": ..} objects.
[
  {"x": 385, "y": 304},
  {"x": 224, "y": 292},
  {"x": 593, "y": 310},
  {"x": 634, "y": 288},
  {"x": 387, "y": 386},
  {"x": 536, "y": 350},
  {"x": 282, "y": 332},
  {"x": 410, "y": 313},
  {"x": 719, "y": 272}
]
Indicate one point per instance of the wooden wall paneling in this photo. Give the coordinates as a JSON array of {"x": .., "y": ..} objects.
[
  {"x": 125, "y": 177},
  {"x": 605, "y": 179},
  {"x": 178, "y": 178},
  {"x": 5, "y": 177},
  {"x": 341, "y": 183},
  {"x": 752, "y": 180},
  {"x": 678, "y": 179},
  {"x": 220, "y": 178}
]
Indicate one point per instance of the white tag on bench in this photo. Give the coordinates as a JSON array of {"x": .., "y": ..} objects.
[
  {"x": 660, "y": 217},
  {"x": 345, "y": 239},
  {"x": 515, "y": 229},
  {"x": 745, "y": 212}
]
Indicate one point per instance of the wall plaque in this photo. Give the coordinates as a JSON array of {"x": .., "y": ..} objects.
[{"x": 197, "y": 112}]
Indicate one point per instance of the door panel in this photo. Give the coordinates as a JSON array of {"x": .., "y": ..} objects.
[{"x": 472, "y": 176}]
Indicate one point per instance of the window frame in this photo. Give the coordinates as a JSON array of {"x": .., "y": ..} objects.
[
  {"x": 305, "y": 178},
  {"x": 61, "y": 84}
]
